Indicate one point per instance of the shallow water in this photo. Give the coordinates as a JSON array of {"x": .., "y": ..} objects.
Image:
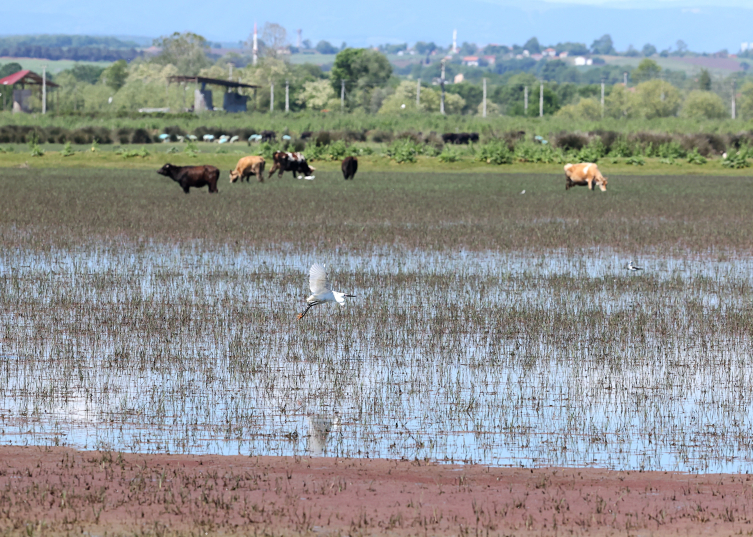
[{"x": 490, "y": 358}]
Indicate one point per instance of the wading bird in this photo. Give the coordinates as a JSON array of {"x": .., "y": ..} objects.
[
  {"x": 321, "y": 289},
  {"x": 632, "y": 268}
]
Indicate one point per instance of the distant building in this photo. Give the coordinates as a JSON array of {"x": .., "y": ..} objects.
[
  {"x": 563, "y": 54},
  {"x": 459, "y": 78},
  {"x": 550, "y": 52},
  {"x": 491, "y": 60},
  {"x": 581, "y": 60},
  {"x": 470, "y": 61},
  {"x": 537, "y": 57}
]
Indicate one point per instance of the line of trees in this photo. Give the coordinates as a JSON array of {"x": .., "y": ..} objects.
[{"x": 370, "y": 85}]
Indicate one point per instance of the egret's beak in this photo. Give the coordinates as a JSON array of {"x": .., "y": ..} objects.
[{"x": 350, "y": 296}]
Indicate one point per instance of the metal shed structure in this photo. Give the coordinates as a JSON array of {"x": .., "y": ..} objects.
[
  {"x": 21, "y": 96},
  {"x": 232, "y": 100}
]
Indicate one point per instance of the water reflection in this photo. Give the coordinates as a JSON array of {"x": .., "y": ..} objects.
[
  {"x": 320, "y": 426},
  {"x": 556, "y": 359}
]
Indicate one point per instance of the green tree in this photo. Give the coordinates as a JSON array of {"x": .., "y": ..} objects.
[
  {"x": 316, "y": 94},
  {"x": 84, "y": 72},
  {"x": 589, "y": 109},
  {"x": 745, "y": 102},
  {"x": 656, "y": 98},
  {"x": 620, "y": 103},
  {"x": 362, "y": 70},
  {"x": 603, "y": 45},
  {"x": 425, "y": 48},
  {"x": 116, "y": 75},
  {"x": 466, "y": 49},
  {"x": 704, "y": 80},
  {"x": 9, "y": 69},
  {"x": 532, "y": 46},
  {"x": 704, "y": 105},
  {"x": 186, "y": 51},
  {"x": 648, "y": 50},
  {"x": 405, "y": 94},
  {"x": 325, "y": 47},
  {"x": 646, "y": 70}
]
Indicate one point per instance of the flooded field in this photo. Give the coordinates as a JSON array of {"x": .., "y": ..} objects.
[{"x": 496, "y": 358}]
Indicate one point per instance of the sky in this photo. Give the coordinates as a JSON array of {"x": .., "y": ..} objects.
[{"x": 706, "y": 26}]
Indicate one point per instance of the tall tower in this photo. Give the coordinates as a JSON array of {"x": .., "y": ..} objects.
[
  {"x": 256, "y": 45},
  {"x": 300, "y": 38},
  {"x": 454, "y": 41}
]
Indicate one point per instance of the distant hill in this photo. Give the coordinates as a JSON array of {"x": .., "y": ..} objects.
[{"x": 65, "y": 41}]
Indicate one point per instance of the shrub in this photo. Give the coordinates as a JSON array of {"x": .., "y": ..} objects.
[
  {"x": 694, "y": 157},
  {"x": 635, "y": 161},
  {"x": 448, "y": 155},
  {"x": 593, "y": 151},
  {"x": 404, "y": 150},
  {"x": 141, "y": 136},
  {"x": 737, "y": 159},
  {"x": 495, "y": 152},
  {"x": 570, "y": 141}
]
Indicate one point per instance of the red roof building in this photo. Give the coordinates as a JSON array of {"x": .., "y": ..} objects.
[{"x": 25, "y": 77}]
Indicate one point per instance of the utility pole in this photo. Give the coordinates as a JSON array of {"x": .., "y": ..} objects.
[
  {"x": 342, "y": 95},
  {"x": 483, "y": 112},
  {"x": 441, "y": 82},
  {"x": 44, "y": 89},
  {"x": 541, "y": 99},
  {"x": 602, "y": 98},
  {"x": 255, "y": 48},
  {"x": 418, "y": 94},
  {"x": 271, "y": 97},
  {"x": 287, "y": 96},
  {"x": 734, "y": 107},
  {"x": 230, "y": 67},
  {"x": 624, "y": 78},
  {"x": 525, "y": 100}
]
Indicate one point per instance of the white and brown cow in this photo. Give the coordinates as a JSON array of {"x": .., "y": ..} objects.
[
  {"x": 291, "y": 162},
  {"x": 584, "y": 174},
  {"x": 246, "y": 167}
]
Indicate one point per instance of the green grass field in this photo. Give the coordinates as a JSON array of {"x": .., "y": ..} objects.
[{"x": 103, "y": 195}]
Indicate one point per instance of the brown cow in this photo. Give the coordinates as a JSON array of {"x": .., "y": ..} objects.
[
  {"x": 246, "y": 167},
  {"x": 584, "y": 174},
  {"x": 192, "y": 176},
  {"x": 349, "y": 167}
]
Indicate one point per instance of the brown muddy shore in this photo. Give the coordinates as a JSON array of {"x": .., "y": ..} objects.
[{"x": 50, "y": 491}]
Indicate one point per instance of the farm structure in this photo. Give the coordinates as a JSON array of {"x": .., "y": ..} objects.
[
  {"x": 21, "y": 97},
  {"x": 232, "y": 101}
]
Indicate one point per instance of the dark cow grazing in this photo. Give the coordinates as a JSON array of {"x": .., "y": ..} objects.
[
  {"x": 305, "y": 135},
  {"x": 192, "y": 176},
  {"x": 268, "y": 136},
  {"x": 350, "y": 167},
  {"x": 291, "y": 162},
  {"x": 460, "y": 138}
]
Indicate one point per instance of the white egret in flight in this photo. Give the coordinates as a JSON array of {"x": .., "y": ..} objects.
[{"x": 321, "y": 290}]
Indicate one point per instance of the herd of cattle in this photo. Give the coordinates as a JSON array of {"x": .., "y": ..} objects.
[
  {"x": 584, "y": 174},
  {"x": 201, "y": 176}
]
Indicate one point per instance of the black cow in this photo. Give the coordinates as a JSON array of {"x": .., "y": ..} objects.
[
  {"x": 460, "y": 138},
  {"x": 350, "y": 167},
  {"x": 192, "y": 176},
  {"x": 305, "y": 135},
  {"x": 291, "y": 162},
  {"x": 268, "y": 136}
]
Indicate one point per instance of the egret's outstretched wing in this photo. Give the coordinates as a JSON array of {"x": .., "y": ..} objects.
[{"x": 318, "y": 279}]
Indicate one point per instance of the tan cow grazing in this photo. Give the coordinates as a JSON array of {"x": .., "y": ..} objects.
[
  {"x": 584, "y": 174},
  {"x": 246, "y": 167}
]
